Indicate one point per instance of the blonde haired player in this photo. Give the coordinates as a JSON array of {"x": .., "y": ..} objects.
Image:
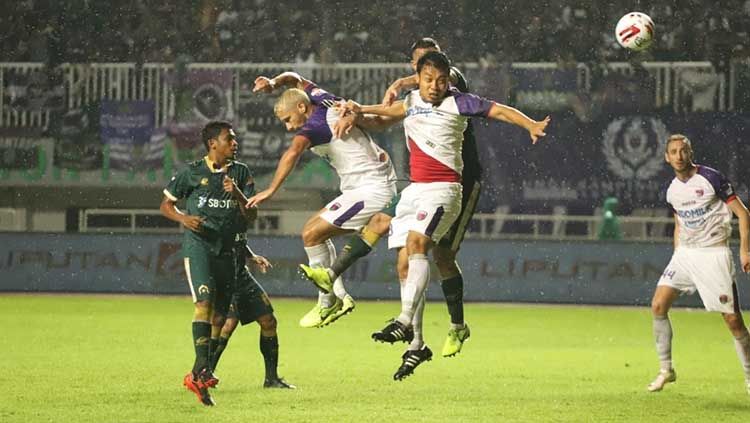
[
  {"x": 368, "y": 180},
  {"x": 703, "y": 201}
]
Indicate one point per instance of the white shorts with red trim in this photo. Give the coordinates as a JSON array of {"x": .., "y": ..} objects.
[
  {"x": 427, "y": 208},
  {"x": 354, "y": 208},
  {"x": 709, "y": 270}
]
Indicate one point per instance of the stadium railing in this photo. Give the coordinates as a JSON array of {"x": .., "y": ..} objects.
[
  {"x": 486, "y": 226},
  {"x": 83, "y": 84}
]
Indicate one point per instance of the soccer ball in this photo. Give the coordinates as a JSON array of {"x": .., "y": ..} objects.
[{"x": 635, "y": 31}]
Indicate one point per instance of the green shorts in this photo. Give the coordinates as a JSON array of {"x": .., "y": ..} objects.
[
  {"x": 210, "y": 276},
  {"x": 249, "y": 300}
]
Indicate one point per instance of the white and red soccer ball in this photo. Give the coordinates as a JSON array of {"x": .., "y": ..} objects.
[{"x": 635, "y": 31}]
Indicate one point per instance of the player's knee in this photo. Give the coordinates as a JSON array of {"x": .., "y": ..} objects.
[
  {"x": 659, "y": 308},
  {"x": 202, "y": 311},
  {"x": 267, "y": 323},
  {"x": 416, "y": 244},
  {"x": 445, "y": 260},
  {"x": 734, "y": 321},
  {"x": 229, "y": 326},
  {"x": 402, "y": 268},
  {"x": 380, "y": 224},
  {"x": 312, "y": 236},
  {"x": 218, "y": 320}
]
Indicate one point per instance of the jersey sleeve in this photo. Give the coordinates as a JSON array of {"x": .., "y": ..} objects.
[
  {"x": 721, "y": 185},
  {"x": 318, "y": 95},
  {"x": 179, "y": 186},
  {"x": 472, "y": 105},
  {"x": 725, "y": 190}
]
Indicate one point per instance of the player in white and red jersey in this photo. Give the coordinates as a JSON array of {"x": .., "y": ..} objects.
[
  {"x": 703, "y": 201},
  {"x": 435, "y": 117},
  {"x": 368, "y": 180}
]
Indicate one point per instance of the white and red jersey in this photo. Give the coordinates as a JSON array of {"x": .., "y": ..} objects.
[
  {"x": 700, "y": 204},
  {"x": 356, "y": 158},
  {"x": 435, "y": 134}
]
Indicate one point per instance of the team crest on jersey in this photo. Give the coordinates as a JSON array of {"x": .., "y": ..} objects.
[
  {"x": 334, "y": 207},
  {"x": 699, "y": 192},
  {"x": 633, "y": 147},
  {"x": 723, "y": 299},
  {"x": 204, "y": 181},
  {"x": 421, "y": 215},
  {"x": 203, "y": 289},
  {"x": 202, "y": 201}
]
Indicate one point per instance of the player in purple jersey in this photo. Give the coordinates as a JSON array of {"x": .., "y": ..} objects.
[
  {"x": 703, "y": 202},
  {"x": 368, "y": 180}
]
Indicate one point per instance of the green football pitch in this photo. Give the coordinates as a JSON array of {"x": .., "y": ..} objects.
[{"x": 90, "y": 358}]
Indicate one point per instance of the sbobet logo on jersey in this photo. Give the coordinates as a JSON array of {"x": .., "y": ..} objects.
[
  {"x": 216, "y": 203},
  {"x": 634, "y": 147}
]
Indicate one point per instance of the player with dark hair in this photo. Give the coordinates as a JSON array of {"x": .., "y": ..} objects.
[
  {"x": 435, "y": 118},
  {"x": 446, "y": 250},
  {"x": 210, "y": 188},
  {"x": 703, "y": 202}
]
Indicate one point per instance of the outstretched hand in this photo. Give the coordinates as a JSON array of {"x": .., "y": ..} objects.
[
  {"x": 350, "y": 106},
  {"x": 344, "y": 125},
  {"x": 258, "y": 198},
  {"x": 263, "y": 84},
  {"x": 391, "y": 94},
  {"x": 261, "y": 263},
  {"x": 537, "y": 129},
  {"x": 745, "y": 261}
]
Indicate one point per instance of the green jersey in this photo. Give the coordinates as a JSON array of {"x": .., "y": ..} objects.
[{"x": 201, "y": 185}]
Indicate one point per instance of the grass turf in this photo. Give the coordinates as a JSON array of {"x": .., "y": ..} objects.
[{"x": 121, "y": 359}]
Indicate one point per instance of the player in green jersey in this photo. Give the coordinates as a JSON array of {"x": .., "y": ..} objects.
[{"x": 211, "y": 214}]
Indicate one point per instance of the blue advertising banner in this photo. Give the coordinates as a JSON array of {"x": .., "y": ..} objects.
[
  {"x": 580, "y": 164},
  {"x": 126, "y": 128},
  {"x": 509, "y": 271}
]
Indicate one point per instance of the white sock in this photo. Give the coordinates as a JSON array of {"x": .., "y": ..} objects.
[
  {"x": 416, "y": 323},
  {"x": 338, "y": 284},
  {"x": 663, "y": 338},
  {"x": 320, "y": 256},
  {"x": 416, "y": 283},
  {"x": 742, "y": 345}
]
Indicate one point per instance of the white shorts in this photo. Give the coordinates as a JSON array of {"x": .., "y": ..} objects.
[
  {"x": 427, "y": 208},
  {"x": 709, "y": 270},
  {"x": 354, "y": 208}
]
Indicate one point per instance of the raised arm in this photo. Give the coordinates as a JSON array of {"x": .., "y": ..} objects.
[
  {"x": 395, "y": 110},
  {"x": 367, "y": 122},
  {"x": 394, "y": 90},
  {"x": 516, "y": 117},
  {"x": 739, "y": 210},
  {"x": 283, "y": 80},
  {"x": 286, "y": 163}
]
